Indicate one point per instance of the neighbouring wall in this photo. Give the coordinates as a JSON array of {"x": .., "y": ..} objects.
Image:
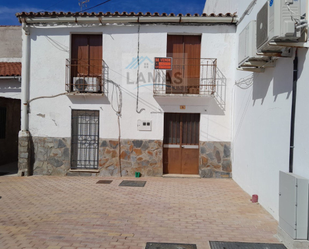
[{"x": 11, "y": 40}]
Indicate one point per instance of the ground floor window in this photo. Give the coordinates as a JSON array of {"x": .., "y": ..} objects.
[{"x": 85, "y": 139}]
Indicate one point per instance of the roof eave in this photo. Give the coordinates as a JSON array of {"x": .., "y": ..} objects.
[{"x": 127, "y": 19}]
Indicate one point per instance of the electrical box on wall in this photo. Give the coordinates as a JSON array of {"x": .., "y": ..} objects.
[
  {"x": 293, "y": 205},
  {"x": 144, "y": 125}
]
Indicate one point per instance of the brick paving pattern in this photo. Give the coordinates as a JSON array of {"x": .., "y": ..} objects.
[{"x": 75, "y": 212}]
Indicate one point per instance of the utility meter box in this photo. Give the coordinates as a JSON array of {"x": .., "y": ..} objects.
[{"x": 144, "y": 125}]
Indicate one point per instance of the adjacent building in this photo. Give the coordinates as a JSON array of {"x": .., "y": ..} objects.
[{"x": 10, "y": 92}]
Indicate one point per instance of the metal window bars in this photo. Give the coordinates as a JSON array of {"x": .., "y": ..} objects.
[{"x": 85, "y": 139}]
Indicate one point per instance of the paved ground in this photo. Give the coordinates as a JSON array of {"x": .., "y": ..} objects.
[{"x": 75, "y": 212}]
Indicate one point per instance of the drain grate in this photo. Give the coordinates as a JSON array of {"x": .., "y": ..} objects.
[
  {"x": 104, "y": 182},
  {"x": 241, "y": 245},
  {"x": 132, "y": 183},
  {"x": 151, "y": 245}
]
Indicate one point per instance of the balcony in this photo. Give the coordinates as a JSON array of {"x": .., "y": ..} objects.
[
  {"x": 85, "y": 77},
  {"x": 190, "y": 81}
]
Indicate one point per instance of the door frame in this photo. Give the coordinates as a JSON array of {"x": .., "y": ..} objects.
[{"x": 180, "y": 145}]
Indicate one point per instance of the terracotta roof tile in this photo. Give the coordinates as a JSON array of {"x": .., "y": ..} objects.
[
  {"x": 10, "y": 69},
  {"x": 107, "y": 14}
]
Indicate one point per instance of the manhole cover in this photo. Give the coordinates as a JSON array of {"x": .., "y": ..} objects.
[
  {"x": 132, "y": 183},
  {"x": 240, "y": 245},
  {"x": 104, "y": 182},
  {"x": 151, "y": 245}
]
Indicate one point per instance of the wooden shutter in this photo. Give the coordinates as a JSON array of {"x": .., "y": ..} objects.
[
  {"x": 95, "y": 55},
  {"x": 175, "y": 77},
  {"x": 79, "y": 55},
  {"x": 86, "y": 55},
  {"x": 192, "y": 55}
]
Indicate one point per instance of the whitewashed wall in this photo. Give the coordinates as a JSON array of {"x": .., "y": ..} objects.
[
  {"x": 261, "y": 125},
  {"x": 50, "y": 47}
]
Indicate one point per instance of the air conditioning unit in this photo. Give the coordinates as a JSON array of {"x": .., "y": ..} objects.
[
  {"x": 293, "y": 205},
  {"x": 86, "y": 84},
  {"x": 275, "y": 23},
  {"x": 247, "y": 47}
]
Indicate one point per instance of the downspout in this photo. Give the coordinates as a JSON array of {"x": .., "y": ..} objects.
[
  {"x": 294, "y": 92},
  {"x": 24, "y": 145},
  {"x": 25, "y": 78}
]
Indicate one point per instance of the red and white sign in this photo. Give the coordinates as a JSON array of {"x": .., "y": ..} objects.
[{"x": 163, "y": 63}]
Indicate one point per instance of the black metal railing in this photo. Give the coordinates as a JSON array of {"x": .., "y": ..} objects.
[
  {"x": 199, "y": 76},
  {"x": 85, "y": 76}
]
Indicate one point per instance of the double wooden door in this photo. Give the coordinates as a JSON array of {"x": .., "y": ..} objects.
[
  {"x": 181, "y": 143},
  {"x": 185, "y": 74}
]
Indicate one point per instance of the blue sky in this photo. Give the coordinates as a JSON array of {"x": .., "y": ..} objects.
[{"x": 9, "y": 8}]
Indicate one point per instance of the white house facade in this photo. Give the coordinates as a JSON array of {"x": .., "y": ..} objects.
[{"x": 91, "y": 83}]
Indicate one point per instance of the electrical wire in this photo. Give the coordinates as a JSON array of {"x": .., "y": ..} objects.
[
  {"x": 94, "y": 6},
  {"x": 118, "y": 113},
  {"x": 137, "y": 73}
]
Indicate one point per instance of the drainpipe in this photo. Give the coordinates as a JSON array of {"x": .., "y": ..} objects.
[
  {"x": 24, "y": 141},
  {"x": 294, "y": 92},
  {"x": 25, "y": 78}
]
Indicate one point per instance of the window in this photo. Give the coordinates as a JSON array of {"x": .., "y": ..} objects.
[
  {"x": 86, "y": 63},
  {"x": 186, "y": 53},
  {"x": 2, "y": 122}
]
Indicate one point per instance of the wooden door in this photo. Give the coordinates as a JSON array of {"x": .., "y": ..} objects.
[
  {"x": 181, "y": 143},
  {"x": 185, "y": 74}
]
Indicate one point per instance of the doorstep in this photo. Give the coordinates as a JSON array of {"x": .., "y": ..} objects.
[
  {"x": 85, "y": 170},
  {"x": 180, "y": 176}
]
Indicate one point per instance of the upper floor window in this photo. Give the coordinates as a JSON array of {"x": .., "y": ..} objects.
[{"x": 86, "y": 64}]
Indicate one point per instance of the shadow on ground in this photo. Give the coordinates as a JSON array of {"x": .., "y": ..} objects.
[{"x": 9, "y": 169}]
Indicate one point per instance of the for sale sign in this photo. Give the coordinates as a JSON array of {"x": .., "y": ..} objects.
[{"x": 163, "y": 63}]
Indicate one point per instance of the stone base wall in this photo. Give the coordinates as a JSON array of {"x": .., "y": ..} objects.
[
  {"x": 215, "y": 160},
  {"x": 144, "y": 156},
  {"x": 52, "y": 157}
]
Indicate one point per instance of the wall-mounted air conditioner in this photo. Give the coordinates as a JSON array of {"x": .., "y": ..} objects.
[
  {"x": 275, "y": 23},
  {"x": 86, "y": 84},
  {"x": 293, "y": 205},
  {"x": 247, "y": 47}
]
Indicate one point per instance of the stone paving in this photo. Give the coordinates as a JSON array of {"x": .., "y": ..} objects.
[{"x": 75, "y": 212}]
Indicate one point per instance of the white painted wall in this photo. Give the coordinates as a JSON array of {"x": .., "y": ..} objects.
[
  {"x": 301, "y": 164},
  {"x": 51, "y": 47},
  {"x": 222, "y": 6},
  {"x": 261, "y": 125},
  {"x": 10, "y": 88}
]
